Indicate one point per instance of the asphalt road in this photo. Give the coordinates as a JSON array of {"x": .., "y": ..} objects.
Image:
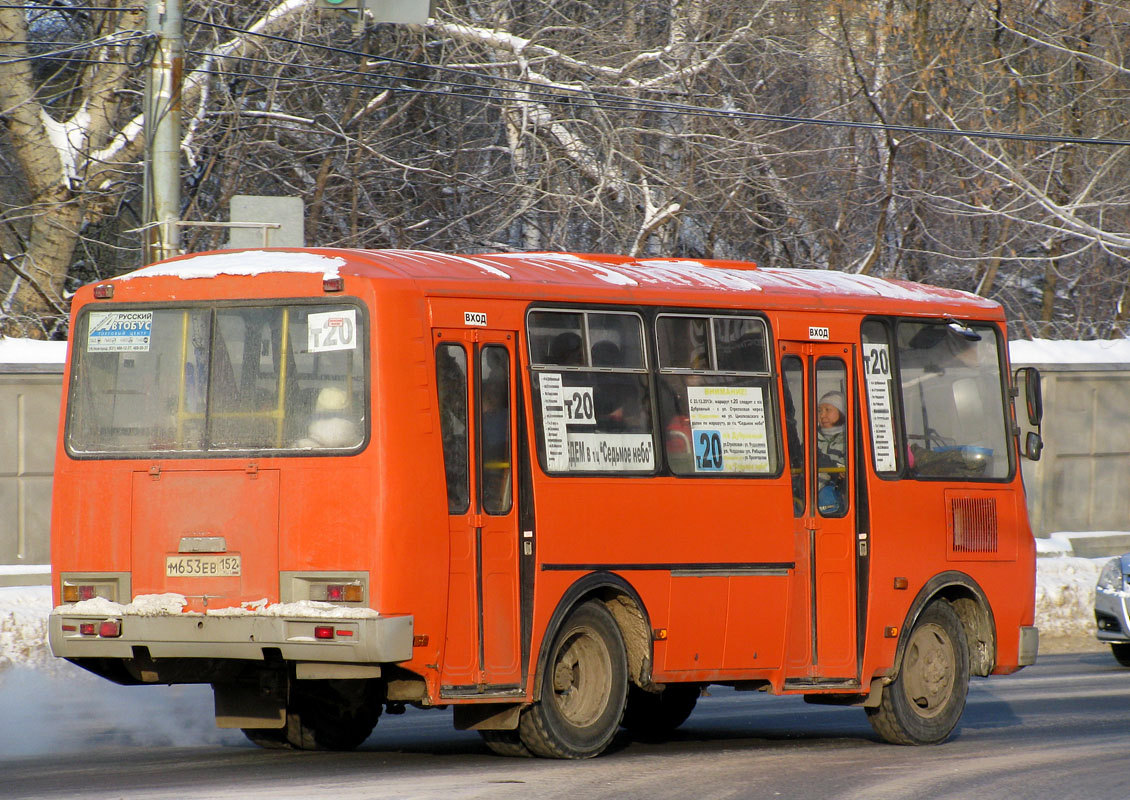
[{"x": 1059, "y": 729}]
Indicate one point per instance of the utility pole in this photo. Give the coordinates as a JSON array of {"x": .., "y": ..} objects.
[{"x": 163, "y": 131}]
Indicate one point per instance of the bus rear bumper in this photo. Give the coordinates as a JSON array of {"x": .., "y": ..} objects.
[{"x": 348, "y": 640}]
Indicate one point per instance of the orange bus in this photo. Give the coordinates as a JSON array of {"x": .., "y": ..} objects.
[{"x": 558, "y": 493}]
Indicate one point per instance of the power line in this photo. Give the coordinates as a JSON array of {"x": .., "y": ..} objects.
[
  {"x": 59, "y": 9},
  {"x": 617, "y": 102},
  {"x": 112, "y": 40}
]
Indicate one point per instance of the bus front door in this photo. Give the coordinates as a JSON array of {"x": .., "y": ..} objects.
[
  {"x": 476, "y": 380},
  {"x": 818, "y": 392}
]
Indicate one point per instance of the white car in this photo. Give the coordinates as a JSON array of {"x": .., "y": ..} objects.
[{"x": 1111, "y": 609}]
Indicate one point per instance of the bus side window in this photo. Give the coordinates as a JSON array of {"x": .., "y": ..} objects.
[
  {"x": 494, "y": 428},
  {"x": 715, "y": 397},
  {"x": 451, "y": 384},
  {"x": 793, "y": 372}
]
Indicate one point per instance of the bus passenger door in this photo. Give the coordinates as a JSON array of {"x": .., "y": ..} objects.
[
  {"x": 476, "y": 382},
  {"x": 818, "y": 409}
]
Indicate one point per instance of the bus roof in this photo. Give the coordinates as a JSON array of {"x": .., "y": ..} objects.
[{"x": 591, "y": 278}]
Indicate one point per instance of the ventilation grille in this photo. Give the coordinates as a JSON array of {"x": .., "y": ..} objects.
[{"x": 974, "y": 524}]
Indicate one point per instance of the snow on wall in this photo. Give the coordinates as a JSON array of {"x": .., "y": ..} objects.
[
  {"x": 31, "y": 351},
  {"x": 1048, "y": 351}
]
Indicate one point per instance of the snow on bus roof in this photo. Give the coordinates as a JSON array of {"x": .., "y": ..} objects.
[
  {"x": 552, "y": 267},
  {"x": 241, "y": 262},
  {"x": 691, "y": 273}
]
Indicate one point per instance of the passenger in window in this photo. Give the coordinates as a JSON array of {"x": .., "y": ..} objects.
[
  {"x": 831, "y": 448},
  {"x": 615, "y": 399},
  {"x": 680, "y": 451},
  {"x": 565, "y": 350},
  {"x": 331, "y": 424}
]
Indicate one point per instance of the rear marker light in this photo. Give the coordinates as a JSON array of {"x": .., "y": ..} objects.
[
  {"x": 323, "y": 632},
  {"x": 333, "y": 284},
  {"x": 77, "y": 592},
  {"x": 337, "y": 592},
  {"x": 110, "y": 629},
  {"x": 104, "y": 291}
]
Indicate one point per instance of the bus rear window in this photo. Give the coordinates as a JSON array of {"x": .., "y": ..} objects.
[{"x": 218, "y": 379}]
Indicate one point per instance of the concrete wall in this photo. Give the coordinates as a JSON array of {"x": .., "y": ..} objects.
[
  {"x": 1082, "y": 481},
  {"x": 29, "y": 417}
]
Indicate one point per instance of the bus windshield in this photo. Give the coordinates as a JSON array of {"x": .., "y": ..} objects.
[
  {"x": 952, "y": 400},
  {"x": 217, "y": 378}
]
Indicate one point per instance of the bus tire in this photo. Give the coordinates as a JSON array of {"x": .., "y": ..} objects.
[
  {"x": 1121, "y": 651},
  {"x": 652, "y": 716},
  {"x": 924, "y": 703},
  {"x": 331, "y": 714},
  {"x": 506, "y": 743},
  {"x": 583, "y": 690}
]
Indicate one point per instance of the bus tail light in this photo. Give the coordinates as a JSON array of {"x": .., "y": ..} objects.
[
  {"x": 337, "y": 592},
  {"x": 110, "y": 629},
  {"x": 86, "y": 629},
  {"x": 323, "y": 631},
  {"x": 77, "y": 590}
]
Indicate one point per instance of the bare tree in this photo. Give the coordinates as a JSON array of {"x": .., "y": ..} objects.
[{"x": 788, "y": 132}]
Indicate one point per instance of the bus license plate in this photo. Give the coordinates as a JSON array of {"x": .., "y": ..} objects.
[{"x": 202, "y": 566}]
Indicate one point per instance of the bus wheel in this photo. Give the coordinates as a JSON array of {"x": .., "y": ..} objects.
[
  {"x": 650, "y": 716},
  {"x": 1121, "y": 652},
  {"x": 924, "y": 703},
  {"x": 583, "y": 690},
  {"x": 331, "y": 714},
  {"x": 506, "y": 743}
]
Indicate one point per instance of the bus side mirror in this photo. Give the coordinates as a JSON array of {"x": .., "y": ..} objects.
[
  {"x": 1029, "y": 411},
  {"x": 1033, "y": 399}
]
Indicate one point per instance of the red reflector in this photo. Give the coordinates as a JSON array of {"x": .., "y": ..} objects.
[
  {"x": 333, "y": 284},
  {"x": 86, "y": 628},
  {"x": 110, "y": 629},
  {"x": 70, "y": 628},
  {"x": 104, "y": 291},
  {"x": 323, "y": 632},
  {"x": 344, "y": 633}
]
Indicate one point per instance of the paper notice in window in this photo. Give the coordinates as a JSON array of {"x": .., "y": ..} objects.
[
  {"x": 877, "y": 367},
  {"x": 733, "y": 416},
  {"x": 119, "y": 331},
  {"x": 553, "y": 422}
]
